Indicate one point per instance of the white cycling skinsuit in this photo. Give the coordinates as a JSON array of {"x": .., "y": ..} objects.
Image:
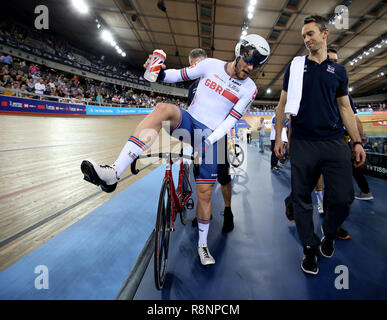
[{"x": 220, "y": 101}]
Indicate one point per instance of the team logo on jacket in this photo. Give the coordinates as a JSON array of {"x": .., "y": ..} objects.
[{"x": 331, "y": 69}]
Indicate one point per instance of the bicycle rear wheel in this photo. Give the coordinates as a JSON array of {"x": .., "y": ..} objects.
[
  {"x": 162, "y": 229},
  {"x": 237, "y": 157}
]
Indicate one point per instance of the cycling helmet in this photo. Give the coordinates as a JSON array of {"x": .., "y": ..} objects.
[{"x": 253, "y": 49}]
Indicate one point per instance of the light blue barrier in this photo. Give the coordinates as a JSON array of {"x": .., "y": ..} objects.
[{"x": 105, "y": 111}]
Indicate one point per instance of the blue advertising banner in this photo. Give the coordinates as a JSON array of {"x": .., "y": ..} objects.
[
  {"x": 114, "y": 111},
  {"x": 23, "y": 105}
]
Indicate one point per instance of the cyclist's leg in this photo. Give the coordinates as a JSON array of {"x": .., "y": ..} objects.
[
  {"x": 107, "y": 176},
  {"x": 204, "y": 185},
  {"x": 145, "y": 134}
]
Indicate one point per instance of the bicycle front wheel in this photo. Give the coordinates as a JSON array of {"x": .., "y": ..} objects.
[{"x": 162, "y": 233}]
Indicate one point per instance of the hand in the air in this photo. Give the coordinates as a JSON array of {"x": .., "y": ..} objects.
[{"x": 148, "y": 61}]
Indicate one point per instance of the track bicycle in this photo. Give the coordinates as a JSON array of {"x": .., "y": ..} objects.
[{"x": 172, "y": 201}]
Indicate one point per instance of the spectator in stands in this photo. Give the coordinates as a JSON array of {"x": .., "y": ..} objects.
[
  {"x": 75, "y": 80},
  {"x": 4, "y": 70},
  {"x": 33, "y": 69},
  {"x": 6, "y": 80},
  {"x": 15, "y": 85},
  {"x": 6, "y": 59},
  {"x": 23, "y": 89},
  {"x": 70, "y": 56},
  {"x": 30, "y": 84},
  {"x": 99, "y": 97},
  {"x": 39, "y": 86}
]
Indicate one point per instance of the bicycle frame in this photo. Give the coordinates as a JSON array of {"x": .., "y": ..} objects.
[{"x": 177, "y": 202}]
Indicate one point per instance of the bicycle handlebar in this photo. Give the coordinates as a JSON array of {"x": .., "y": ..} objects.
[{"x": 159, "y": 155}]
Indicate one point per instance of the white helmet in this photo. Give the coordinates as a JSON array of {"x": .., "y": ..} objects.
[{"x": 253, "y": 49}]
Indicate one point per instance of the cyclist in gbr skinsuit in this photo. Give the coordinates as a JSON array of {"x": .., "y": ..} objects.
[{"x": 223, "y": 95}]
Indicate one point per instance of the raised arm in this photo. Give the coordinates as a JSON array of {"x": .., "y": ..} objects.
[{"x": 186, "y": 74}]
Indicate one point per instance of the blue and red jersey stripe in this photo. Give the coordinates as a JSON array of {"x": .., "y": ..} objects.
[
  {"x": 183, "y": 73},
  {"x": 235, "y": 114}
]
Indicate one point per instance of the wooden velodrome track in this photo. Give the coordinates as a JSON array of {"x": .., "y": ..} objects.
[{"x": 42, "y": 191}]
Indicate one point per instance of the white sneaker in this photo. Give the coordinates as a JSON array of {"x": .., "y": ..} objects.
[
  {"x": 104, "y": 176},
  {"x": 320, "y": 208},
  {"x": 205, "y": 256}
]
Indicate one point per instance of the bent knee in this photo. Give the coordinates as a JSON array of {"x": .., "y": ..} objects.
[
  {"x": 167, "y": 111},
  {"x": 204, "y": 192}
]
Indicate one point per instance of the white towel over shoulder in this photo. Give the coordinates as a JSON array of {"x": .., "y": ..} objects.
[{"x": 296, "y": 78}]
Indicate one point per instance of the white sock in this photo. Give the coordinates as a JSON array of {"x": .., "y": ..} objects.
[
  {"x": 320, "y": 196},
  {"x": 132, "y": 149},
  {"x": 203, "y": 226}
]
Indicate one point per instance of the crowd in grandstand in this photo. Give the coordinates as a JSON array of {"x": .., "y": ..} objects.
[{"x": 32, "y": 80}]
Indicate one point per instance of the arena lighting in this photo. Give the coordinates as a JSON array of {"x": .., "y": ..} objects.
[
  {"x": 350, "y": 89},
  {"x": 253, "y": 2},
  {"x": 123, "y": 54},
  {"x": 98, "y": 26},
  {"x": 250, "y": 16},
  {"x": 244, "y": 32},
  {"x": 250, "y": 9},
  {"x": 268, "y": 90},
  {"x": 107, "y": 36},
  {"x": 81, "y": 6}
]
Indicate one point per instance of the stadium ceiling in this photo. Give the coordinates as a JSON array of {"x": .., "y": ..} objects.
[{"x": 140, "y": 26}]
